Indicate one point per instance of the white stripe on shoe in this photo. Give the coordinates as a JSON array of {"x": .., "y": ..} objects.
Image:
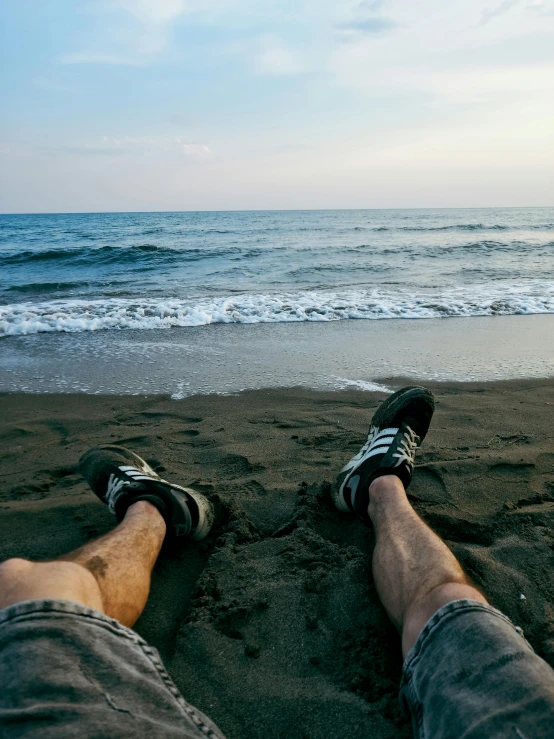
[
  {"x": 377, "y": 450},
  {"x": 143, "y": 470},
  {"x": 386, "y": 432},
  {"x": 136, "y": 474},
  {"x": 382, "y": 447},
  {"x": 386, "y": 436}
]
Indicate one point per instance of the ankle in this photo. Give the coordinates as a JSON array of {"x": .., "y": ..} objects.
[
  {"x": 385, "y": 492},
  {"x": 146, "y": 512}
]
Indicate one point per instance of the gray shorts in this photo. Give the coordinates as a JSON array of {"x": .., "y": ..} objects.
[
  {"x": 472, "y": 675},
  {"x": 67, "y": 670}
]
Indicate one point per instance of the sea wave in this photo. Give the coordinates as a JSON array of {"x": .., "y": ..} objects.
[
  {"x": 148, "y": 253},
  {"x": 118, "y": 313},
  {"x": 42, "y": 287},
  {"x": 113, "y": 254},
  {"x": 465, "y": 227}
]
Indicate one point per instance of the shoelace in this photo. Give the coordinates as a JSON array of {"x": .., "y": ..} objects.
[
  {"x": 113, "y": 492},
  {"x": 407, "y": 448}
]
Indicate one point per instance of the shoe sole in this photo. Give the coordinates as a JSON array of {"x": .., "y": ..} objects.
[
  {"x": 205, "y": 508},
  {"x": 383, "y": 418}
]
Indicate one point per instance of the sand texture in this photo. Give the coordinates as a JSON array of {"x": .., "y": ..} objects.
[{"x": 273, "y": 626}]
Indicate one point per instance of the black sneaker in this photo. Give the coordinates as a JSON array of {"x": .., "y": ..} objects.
[
  {"x": 397, "y": 428},
  {"x": 119, "y": 478}
]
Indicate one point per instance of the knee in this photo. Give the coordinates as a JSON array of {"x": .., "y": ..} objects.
[
  {"x": 22, "y": 580},
  {"x": 14, "y": 569},
  {"x": 429, "y": 603}
]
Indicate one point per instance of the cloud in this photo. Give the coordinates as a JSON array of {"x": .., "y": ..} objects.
[
  {"x": 504, "y": 7},
  {"x": 458, "y": 82},
  {"x": 371, "y": 6},
  {"x": 368, "y": 21},
  {"x": 158, "y": 15},
  {"x": 378, "y": 24},
  {"x": 279, "y": 61},
  {"x": 138, "y": 141},
  {"x": 137, "y": 34},
  {"x": 273, "y": 58},
  {"x": 94, "y": 150},
  {"x": 197, "y": 151},
  {"x": 116, "y": 146},
  {"x": 154, "y": 11},
  {"x": 92, "y": 58},
  {"x": 539, "y": 8},
  {"x": 291, "y": 148},
  {"x": 545, "y": 9}
]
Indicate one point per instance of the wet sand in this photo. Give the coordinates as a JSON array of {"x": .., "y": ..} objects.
[
  {"x": 334, "y": 355},
  {"x": 273, "y": 626}
]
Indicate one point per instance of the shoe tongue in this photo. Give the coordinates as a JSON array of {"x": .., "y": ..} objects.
[{"x": 412, "y": 423}]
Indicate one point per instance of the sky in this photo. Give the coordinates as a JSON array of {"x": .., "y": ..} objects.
[{"x": 153, "y": 105}]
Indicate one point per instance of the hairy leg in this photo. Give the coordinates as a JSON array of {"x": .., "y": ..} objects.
[
  {"x": 414, "y": 571},
  {"x": 111, "y": 574}
]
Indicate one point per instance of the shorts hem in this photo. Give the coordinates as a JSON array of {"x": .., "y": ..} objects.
[
  {"x": 26, "y": 609},
  {"x": 450, "y": 610}
]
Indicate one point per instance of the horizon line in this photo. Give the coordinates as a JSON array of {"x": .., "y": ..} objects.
[{"x": 267, "y": 210}]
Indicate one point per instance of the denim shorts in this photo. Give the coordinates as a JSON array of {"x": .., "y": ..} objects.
[
  {"x": 472, "y": 675},
  {"x": 67, "y": 670}
]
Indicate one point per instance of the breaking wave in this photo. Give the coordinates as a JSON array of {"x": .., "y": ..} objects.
[{"x": 117, "y": 313}]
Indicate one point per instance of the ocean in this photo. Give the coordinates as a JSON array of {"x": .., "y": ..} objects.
[
  {"x": 121, "y": 274},
  {"x": 87, "y": 272}
]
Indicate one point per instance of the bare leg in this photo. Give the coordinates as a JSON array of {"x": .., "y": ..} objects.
[
  {"x": 414, "y": 571},
  {"x": 111, "y": 574}
]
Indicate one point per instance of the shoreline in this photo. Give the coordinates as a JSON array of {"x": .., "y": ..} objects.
[
  {"x": 323, "y": 356},
  {"x": 273, "y": 625}
]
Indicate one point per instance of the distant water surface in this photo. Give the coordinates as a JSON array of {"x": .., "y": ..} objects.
[{"x": 85, "y": 272}]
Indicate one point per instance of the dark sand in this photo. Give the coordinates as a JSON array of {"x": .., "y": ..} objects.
[{"x": 273, "y": 627}]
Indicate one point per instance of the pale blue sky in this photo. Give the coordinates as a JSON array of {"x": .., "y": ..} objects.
[{"x": 226, "y": 104}]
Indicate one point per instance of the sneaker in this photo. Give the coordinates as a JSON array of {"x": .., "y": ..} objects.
[
  {"x": 120, "y": 478},
  {"x": 397, "y": 428}
]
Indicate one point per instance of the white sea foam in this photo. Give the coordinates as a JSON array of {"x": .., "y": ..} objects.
[
  {"x": 93, "y": 315},
  {"x": 343, "y": 383}
]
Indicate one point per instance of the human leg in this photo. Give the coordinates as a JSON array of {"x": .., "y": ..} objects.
[
  {"x": 414, "y": 571},
  {"x": 468, "y": 671},
  {"x": 110, "y": 574},
  {"x": 69, "y": 663}
]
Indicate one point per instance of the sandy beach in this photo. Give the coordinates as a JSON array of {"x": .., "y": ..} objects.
[
  {"x": 273, "y": 626},
  {"x": 228, "y": 232}
]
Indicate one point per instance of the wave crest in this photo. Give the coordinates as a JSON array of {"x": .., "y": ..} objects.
[{"x": 119, "y": 313}]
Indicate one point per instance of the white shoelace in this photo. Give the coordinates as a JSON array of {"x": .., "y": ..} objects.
[
  {"x": 408, "y": 446},
  {"x": 113, "y": 493}
]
